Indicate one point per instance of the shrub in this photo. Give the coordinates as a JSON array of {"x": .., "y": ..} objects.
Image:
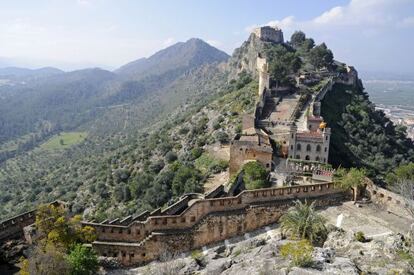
[
  {"x": 299, "y": 253},
  {"x": 254, "y": 176},
  {"x": 360, "y": 237},
  {"x": 302, "y": 222},
  {"x": 222, "y": 137},
  {"x": 82, "y": 260},
  {"x": 171, "y": 157}
]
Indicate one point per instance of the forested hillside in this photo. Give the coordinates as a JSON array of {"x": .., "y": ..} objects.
[{"x": 117, "y": 143}]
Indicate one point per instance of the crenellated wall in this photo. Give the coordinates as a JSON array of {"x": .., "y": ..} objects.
[
  {"x": 205, "y": 221},
  {"x": 13, "y": 228}
]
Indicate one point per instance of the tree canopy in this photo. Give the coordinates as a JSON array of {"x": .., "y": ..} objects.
[{"x": 255, "y": 176}]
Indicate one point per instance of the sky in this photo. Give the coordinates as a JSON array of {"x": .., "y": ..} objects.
[{"x": 373, "y": 35}]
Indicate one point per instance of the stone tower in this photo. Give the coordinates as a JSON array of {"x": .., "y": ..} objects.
[
  {"x": 269, "y": 34},
  {"x": 264, "y": 77}
]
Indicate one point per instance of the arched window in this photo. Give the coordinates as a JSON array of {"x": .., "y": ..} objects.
[
  {"x": 297, "y": 157},
  {"x": 291, "y": 147},
  {"x": 298, "y": 147},
  {"x": 307, "y": 157},
  {"x": 318, "y": 148},
  {"x": 317, "y": 158},
  {"x": 326, "y": 149},
  {"x": 308, "y": 148}
]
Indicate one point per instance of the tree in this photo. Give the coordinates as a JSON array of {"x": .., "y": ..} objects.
[
  {"x": 302, "y": 222},
  {"x": 352, "y": 179},
  {"x": 48, "y": 260},
  {"x": 401, "y": 173},
  {"x": 255, "y": 176},
  {"x": 56, "y": 227},
  {"x": 320, "y": 56},
  {"x": 82, "y": 260},
  {"x": 282, "y": 63},
  {"x": 170, "y": 156},
  {"x": 297, "y": 38},
  {"x": 222, "y": 137},
  {"x": 61, "y": 142},
  {"x": 186, "y": 180}
]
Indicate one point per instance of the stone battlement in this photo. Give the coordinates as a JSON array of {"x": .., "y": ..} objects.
[
  {"x": 13, "y": 228},
  {"x": 269, "y": 34},
  {"x": 204, "y": 221}
]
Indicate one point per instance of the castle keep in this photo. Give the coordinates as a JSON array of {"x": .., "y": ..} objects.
[{"x": 282, "y": 117}]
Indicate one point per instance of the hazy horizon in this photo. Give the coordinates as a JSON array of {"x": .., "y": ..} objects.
[{"x": 371, "y": 35}]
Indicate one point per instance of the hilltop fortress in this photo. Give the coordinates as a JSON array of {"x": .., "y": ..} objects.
[{"x": 286, "y": 134}]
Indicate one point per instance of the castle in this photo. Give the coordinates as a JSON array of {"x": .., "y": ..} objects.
[
  {"x": 280, "y": 129},
  {"x": 269, "y": 34},
  {"x": 276, "y": 116}
]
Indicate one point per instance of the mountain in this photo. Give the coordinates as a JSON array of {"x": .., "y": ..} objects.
[
  {"x": 24, "y": 72},
  {"x": 118, "y": 143},
  {"x": 179, "y": 57}
]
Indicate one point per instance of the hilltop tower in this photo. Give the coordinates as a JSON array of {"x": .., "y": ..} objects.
[
  {"x": 269, "y": 34},
  {"x": 264, "y": 77}
]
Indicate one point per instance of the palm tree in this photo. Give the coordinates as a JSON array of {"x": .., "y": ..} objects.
[
  {"x": 302, "y": 222},
  {"x": 353, "y": 179}
]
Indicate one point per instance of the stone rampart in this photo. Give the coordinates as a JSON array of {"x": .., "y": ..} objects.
[
  {"x": 204, "y": 221},
  {"x": 388, "y": 200},
  {"x": 13, "y": 228}
]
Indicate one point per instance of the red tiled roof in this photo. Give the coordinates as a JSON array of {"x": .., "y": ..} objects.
[
  {"x": 315, "y": 118},
  {"x": 309, "y": 135}
]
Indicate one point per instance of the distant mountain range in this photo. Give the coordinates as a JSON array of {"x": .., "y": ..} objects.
[{"x": 66, "y": 100}]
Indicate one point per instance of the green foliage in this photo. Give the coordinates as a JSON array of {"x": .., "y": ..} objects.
[
  {"x": 362, "y": 136},
  {"x": 64, "y": 140},
  {"x": 298, "y": 38},
  {"x": 282, "y": 63},
  {"x": 300, "y": 253},
  {"x": 82, "y": 260},
  {"x": 255, "y": 176},
  {"x": 320, "y": 56},
  {"x": 302, "y": 222},
  {"x": 402, "y": 172},
  {"x": 360, "y": 236},
  {"x": 222, "y": 137},
  {"x": 353, "y": 178},
  {"x": 186, "y": 180},
  {"x": 208, "y": 164}
]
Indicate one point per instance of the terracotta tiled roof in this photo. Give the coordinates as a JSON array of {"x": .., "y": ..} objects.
[
  {"x": 305, "y": 135},
  {"x": 315, "y": 118}
]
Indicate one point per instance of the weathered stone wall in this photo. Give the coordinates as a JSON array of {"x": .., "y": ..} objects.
[
  {"x": 241, "y": 152},
  {"x": 13, "y": 228},
  {"x": 204, "y": 222},
  {"x": 390, "y": 201}
]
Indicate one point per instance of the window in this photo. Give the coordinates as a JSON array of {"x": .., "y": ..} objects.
[
  {"x": 318, "y": 148},
  {"x": 326, "y": 149},
  {"x": 307, "y": 157},
  {"x": 326, "y": 138},
  {"x": 308, "y": 148},
  {"x": 297, "y": 157},
  {"x": 291, "y": 147},
  {"x": 298, "y": 147},
  {"x": 267, "y": 165},
  {"x": 317, "y": 158}
]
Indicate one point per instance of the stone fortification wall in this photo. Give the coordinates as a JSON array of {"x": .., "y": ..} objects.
[
  {"x": 204, "y": 221},
  {"x": 388, "y": 200},
  {"x": 13, "y": 228}
]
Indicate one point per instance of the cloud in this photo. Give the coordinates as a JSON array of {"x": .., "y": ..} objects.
[
  {"x": 214, "y": 43},
  {"x": 84, "y": 2},
  {"x": 368, "y": 14},
  {"x": 168, "y": 42},
  {"x": 407, "y": 22}
]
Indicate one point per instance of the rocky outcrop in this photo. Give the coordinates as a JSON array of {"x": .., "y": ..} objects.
[{"x": 341, "y": 254}]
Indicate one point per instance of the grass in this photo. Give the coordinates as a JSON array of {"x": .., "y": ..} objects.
[{"x": 64, "y": 140}]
